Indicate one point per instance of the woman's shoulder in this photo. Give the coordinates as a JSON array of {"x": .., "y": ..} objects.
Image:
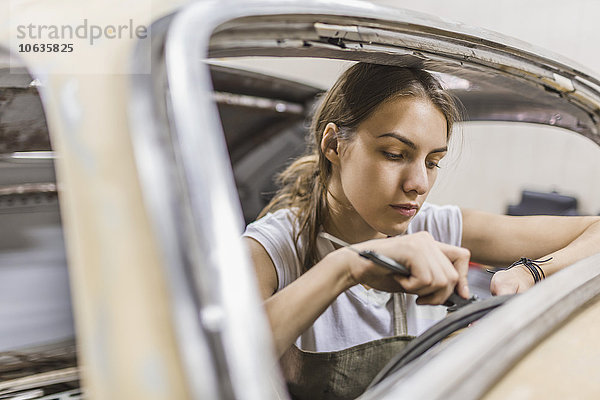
[
  {"x": 284, "y": 219},
  {"x": 276, "y": 233},
  {"x": 444, "y": 222}
]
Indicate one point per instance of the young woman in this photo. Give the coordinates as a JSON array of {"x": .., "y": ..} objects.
[{"x": 377, "y": 141}]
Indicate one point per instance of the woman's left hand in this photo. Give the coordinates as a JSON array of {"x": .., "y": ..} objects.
[{"x": 515, "y": 280}]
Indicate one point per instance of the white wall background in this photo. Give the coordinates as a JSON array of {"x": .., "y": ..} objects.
[{"x": 495, "y": 160}]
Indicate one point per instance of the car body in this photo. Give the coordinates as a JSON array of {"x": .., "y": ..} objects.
[{"x": 160, "y": 162}]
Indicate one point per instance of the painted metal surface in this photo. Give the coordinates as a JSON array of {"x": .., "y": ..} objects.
[
  {"x": 496, "y": 78},
  {"x": 569, "y": 361}
]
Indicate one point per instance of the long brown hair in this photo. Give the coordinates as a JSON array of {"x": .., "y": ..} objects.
[{"x": 351, "y": 100}]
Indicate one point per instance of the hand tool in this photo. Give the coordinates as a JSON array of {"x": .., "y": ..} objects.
[{"x": 454, "y": 302}]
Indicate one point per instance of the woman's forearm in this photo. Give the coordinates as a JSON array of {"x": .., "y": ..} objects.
[
  {"x": 519, "y": 279},
  {"x": 585, "y": 245},
  {"x": 294, "y": 309}
]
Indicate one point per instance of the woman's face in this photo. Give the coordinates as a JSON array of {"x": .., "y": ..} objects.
[{"x": 387, "y": 170}]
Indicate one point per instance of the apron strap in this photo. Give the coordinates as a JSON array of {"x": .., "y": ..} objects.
[{"x": 400, "y": 307}]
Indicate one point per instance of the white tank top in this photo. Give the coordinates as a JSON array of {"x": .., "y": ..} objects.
[{"x": 358, "y": 315}]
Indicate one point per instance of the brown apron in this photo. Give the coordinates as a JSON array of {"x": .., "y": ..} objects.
[{"x": 343, "y": 374}]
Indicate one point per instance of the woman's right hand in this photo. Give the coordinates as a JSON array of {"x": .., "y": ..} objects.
[{"x": 435, "y": 268}]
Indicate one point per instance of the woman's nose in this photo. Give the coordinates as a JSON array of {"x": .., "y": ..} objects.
[{"x": 416, "y": 179}]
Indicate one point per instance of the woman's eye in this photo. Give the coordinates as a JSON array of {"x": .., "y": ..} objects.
[
  {"x": 432, "y": 164},
  {"x": 393, "y": 156}
]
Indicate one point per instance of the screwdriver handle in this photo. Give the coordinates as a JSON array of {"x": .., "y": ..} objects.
[
  {"x": 454, "y": 302},
  {"x": 386, "y": 262}
]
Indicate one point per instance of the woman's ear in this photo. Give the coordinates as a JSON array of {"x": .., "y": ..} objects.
[{"x": 329, "y": 143}]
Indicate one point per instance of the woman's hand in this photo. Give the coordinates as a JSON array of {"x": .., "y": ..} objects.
[
  {"x": 515, "y": 280},
  {"x": 436, "y": 268}
]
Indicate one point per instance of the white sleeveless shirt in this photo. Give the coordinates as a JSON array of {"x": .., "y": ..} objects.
[{"x": 358, "y": 315}]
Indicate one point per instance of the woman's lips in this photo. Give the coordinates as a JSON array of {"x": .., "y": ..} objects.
[{"x": 406, "y": 210}]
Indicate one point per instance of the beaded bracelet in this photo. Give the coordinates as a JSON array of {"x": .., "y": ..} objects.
[{"x": 532, "y": 265}]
